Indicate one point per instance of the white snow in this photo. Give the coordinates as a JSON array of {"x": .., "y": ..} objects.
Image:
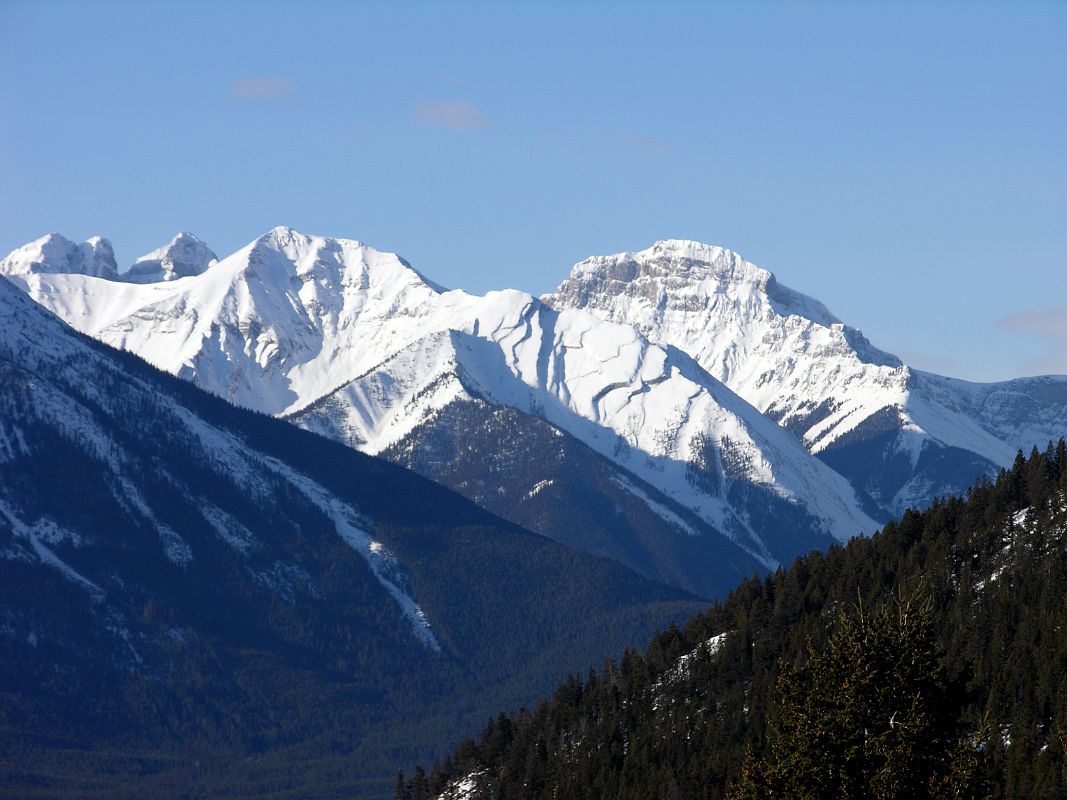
[
  {"x": 661, "y": 510},
  {"x": 175, "y": 548},
  {"x": 538, "y": 487},
  {"x": 712, "y": 646},
  {"x": 355, "y": 344},
  {"x": 227, "y": 528},
  {"x": 786, "y": 354},
  {"x": 181, "y": 257},
  {"x": 681, "y": 668},
  {"x": 42, "y": 533},
  {"x": 55, "y": 254},
  {"x": 463, "y": 789}
]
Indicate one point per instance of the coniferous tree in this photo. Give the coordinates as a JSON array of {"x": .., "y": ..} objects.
[
  {"x": 873, "y": 715},
  {"x": 420, "y": 788}
]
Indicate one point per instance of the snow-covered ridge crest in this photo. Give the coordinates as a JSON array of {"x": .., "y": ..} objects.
[
  {"x": 672, "y": 264},
  {"x": 54, "y": 254},
  {"x": 650, "y": 409},
  {"x": 273, "y": 326},
  {"x": 760, "y": 338}
]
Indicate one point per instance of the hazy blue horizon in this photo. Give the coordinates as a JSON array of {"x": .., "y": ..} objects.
[{"x": 904, "y": 164}]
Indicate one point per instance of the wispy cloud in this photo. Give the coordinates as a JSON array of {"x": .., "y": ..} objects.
[
  {"x": 1050, "y": 324},
  {"x": 651, "y": 144},
  {"x": 261, "y": 88},
  {"x": 454, "y": 115}
]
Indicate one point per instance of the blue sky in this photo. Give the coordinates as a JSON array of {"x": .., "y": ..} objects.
[{"x": 904, "y": 163}]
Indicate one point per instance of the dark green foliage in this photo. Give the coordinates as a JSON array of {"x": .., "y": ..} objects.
[
  {"x": 990, "y": 652},
  {"x": 871, "y": 715}
]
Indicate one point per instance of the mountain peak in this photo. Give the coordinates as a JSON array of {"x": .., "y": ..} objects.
[
  {"x": 690, "y": 249},
  {"x": 673, "y": 259},
  {"x": 687, "y": 272},
  {"x": 54, "y": 253},
  {"x": 182, "y": 256},
  {"x": 284, "y": 237},
  {"x": 296, "y": 244},
  {"x": 309, "y": 255}
]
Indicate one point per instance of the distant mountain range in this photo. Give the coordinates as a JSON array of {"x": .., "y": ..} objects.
[
  {"x": 194, "y": 595},
  {"x": 722, "y": 423}
]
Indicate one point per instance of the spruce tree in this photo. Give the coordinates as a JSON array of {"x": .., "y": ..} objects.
[{"x": 872, "y": 715}]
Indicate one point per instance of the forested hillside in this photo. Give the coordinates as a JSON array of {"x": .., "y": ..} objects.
[{"x": 676, "y": 720}]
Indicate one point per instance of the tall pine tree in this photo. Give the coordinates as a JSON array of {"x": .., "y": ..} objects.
[{"x": 872, "y": 715}]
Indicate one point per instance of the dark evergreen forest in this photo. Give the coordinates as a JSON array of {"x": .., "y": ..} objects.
[{"x": 679, "y": 719}]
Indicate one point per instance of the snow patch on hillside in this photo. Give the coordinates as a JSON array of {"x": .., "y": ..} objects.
[
  {"x": 661, "y": 510},
  {"x": 350, "y": 527},
  {"x": 39, "y": 535}
]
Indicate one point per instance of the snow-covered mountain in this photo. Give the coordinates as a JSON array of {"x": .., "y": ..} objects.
[
  {"x": 650, "y": 410},
  {"x": 62, "y": 394},
  {"x": 356, "y": 344},
  {"x": 272, "y": 327},
  {"x": 901, "y": 435},
  {"x": 182, "y": 256},
  {"x": 53, "y": 254},
  {"x": 212, "y": 591}
]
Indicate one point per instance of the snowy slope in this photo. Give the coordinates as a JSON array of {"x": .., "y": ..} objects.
[
  {"x": 272, "y": 327},
  {"x": 293, "y": 320},
  {"x": 55, "y": 382},
  {"x": 525, "y": 469},
  {"x": 791, "y": 358},
  {"x": 651, "y": 410}
]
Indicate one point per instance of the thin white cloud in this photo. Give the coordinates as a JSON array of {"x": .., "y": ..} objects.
[
  {"x": 1050, "y": 324},
  {"x": 651, "y": 144},
  {"x": 453, "y": 115},
  {"x": 261, "y": 88}
]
